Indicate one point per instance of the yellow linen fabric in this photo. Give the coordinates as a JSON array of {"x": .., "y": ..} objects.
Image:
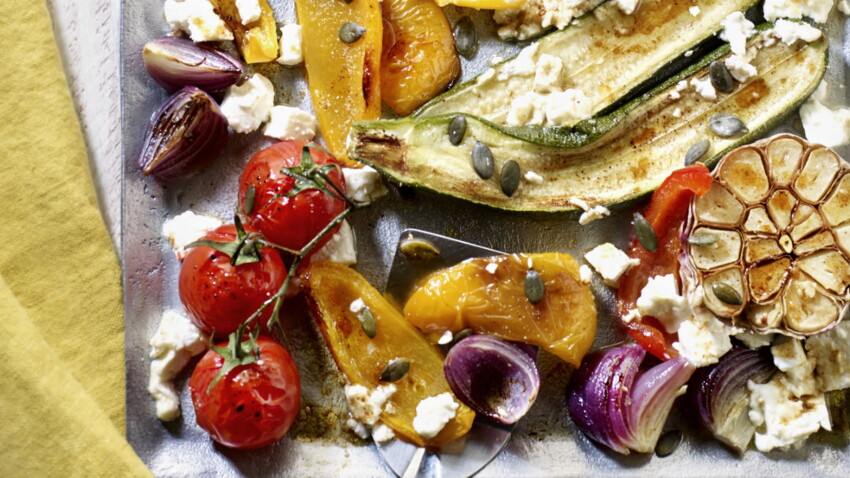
[{"x": 61, "y": 321}]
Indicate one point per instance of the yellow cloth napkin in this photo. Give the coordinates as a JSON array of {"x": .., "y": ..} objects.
[{"x": 61, "y": 321}]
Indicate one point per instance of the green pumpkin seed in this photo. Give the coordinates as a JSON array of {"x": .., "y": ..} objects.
[
  {"x": 533, "y": 286},
  {"x": 462, "y": 335},
  {"x": 509, "y": 178},
  {"x": 727, "y": 294},
  {"x": 350, "y": 32},
  {"x": 457, "y": 130},
  {"x": 726, "y": 125},
  {"x": 395, "y": 370},
  {"x": 703, "y": 239},
  {"x": 645, "y": 234},
  {"x": 482, "y": 161},
  {"x": 697, "y": 151},
  {"x": 418, "y": 249},
  {"x": 668, "y": 443},
  {"x": 466, "y": 37},
  {"x": 721, "y": 79},
  {"x": 367, "y": 323}
]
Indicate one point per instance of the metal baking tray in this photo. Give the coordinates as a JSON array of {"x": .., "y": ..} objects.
[{"x": 545, "y": 443}]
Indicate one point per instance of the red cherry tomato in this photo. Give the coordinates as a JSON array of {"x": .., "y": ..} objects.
[
  {"x": 253, "y": 405},
  {"x": 666, "y": 212},
  {"x": 287, "y": 221},
  {"x": 218, "y": 296}
]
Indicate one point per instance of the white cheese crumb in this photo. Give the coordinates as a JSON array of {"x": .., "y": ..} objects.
[
  {"x": 585, "y": 274},
  {"x": 844, "y": 7},
  {"x": 248, "y": 105},
  {"x": 341, "y": 248},
  {"x": 817, "y": 10},
  {"x": 736, "y": 30},
  {"x": 496, "y": 59},
  {"x": 357, "y": 306},
  {"x": 567, "y": 107},
  {"x": 677, "y": 113},
  {"x": 753, "y": 340},
  {"x": 491, "y": 267},
  {"x": 610, "y": 263},
  {"x": 592, "y": 214},
  {"x": 363, "y": 185},
  {"x": 704, "y": 88},
  {"x": 249, "y": 11},
  {"x": 831, "y": 353},
  {"x": 694, "y": 10},
  {"x": 689, "y": 53},
  {"x": 823, "y": 125},
  {"x": 186, "y": 228},
  {"x": 446, "y": 338},
  {"x": 358, "y": 428},
  {"x": 660, "y": 298},
  {"x": 703, "y": 338},
  {"x": 288, "y": 122},
  {"x": 381, "y": 433},
  {"x": 533, "y": 177},
  {"x": 627, "y": 6},
  {"x": 290, "y": 45},
  {"x": 547, "y": 73},
  {"x": 791, "y": 32},
  {"x": 197, "y": 18},
  {"x": 433, "y": 413},
  {"x": 631, "y": 315},
  {"x": 366, "y": 406},
  {"x": 740, "y": 68},
  {"x": 176, "y": 341}
]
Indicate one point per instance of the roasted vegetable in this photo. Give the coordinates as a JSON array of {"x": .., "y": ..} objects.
[
  {"x": 343, "y": 78},
  {"x": 605, "y": 160},
  {"x": 257, "y": 41},
  {"x": 780, "y": 212},
  {"x": 537, "y": 299},
  {"x": 331, "y": 289},
  {"x": 483, "y": 4},
  {"x": 418, "y": 60},
  {"x": 175, "y": 62}
]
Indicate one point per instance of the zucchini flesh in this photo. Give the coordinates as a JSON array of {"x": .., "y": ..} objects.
[
  {"x": 608, "y": 56},
  {"x": 605, "y": 160}
]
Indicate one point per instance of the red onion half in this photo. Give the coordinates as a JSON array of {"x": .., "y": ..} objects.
[
  {"x": 721, "y": 396},
  {"x": 175, "y": 62},
  {"x": 493, "y": 377},
  {"x": 619, "y": 405}
]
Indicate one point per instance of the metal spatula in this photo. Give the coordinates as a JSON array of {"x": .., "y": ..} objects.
[{"x": 469, "y": 454}]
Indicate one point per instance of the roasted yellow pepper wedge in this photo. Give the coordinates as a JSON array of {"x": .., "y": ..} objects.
[
  {"x": 331, "y": 288},
  {"x": 257, "y": 41},
  {"x": 483, "y": 4},
  {"x": 343, "y": 78},
  {"x": 419, "y": 59},
  {"x": 488, "y": 295}
]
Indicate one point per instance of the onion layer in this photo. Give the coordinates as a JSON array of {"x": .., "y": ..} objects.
[
  {"x": 175, "y": 62},
  {"x": 493, "y": 377},
  {"x": 619, "y": 405}
]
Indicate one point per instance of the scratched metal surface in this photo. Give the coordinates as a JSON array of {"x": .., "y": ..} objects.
[{"x": 545, "y": 443}]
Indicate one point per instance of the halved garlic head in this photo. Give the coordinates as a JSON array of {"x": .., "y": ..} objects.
[{"x": 770, "y": 241}]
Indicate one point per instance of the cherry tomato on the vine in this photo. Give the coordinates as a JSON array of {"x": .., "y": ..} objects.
[
  {"x": 253, "y": 405},
  {"x": 290, "y": 222},
  {"x": 219, "y": 296}
]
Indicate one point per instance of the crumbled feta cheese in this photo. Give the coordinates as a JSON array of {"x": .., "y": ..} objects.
[
  {"x": 176, "y": 341},
  {"x": 381, "y": 433},
  {"x": 357, "y": 306},
  {"x": 366, "y": 406},
  {"x": 496, "y": 59},
  {"x": 702, "y": 338},
  {"x": 660, "y": 298},
  {"x": 694, "y": 10},
  {"x": 791, "y": 32},
  {"x": 433, "y": 413},
  {"x": 532, "y": 177},
  {"x": 288, "y": 122},
  {"x": 631, "y": 315},
  {"x": 677, "y": 113},
  {"x": 592, "y": 214},
  {"x": 186, "y": 228},
  {"x": 547, "y": 73},
  {"x": 736, "y": 30},
  {"x": 817, "y": 10},
  {"x": 491, "y": 267},
  {"x": 447, "y": 337},
  {"x": 609, "y": 262},
  {"x": 358, "y": 428},
  {"x": 675, "y": 95},
  {"x": 704, "y": 88},
  {"x": 537, "y": 15},
  {"x": 522, "y": 111},
  {"x": 627, "y": 6},
  {"x": 740, "y": 68},
  {"x": 823, "y": 125},
  {"x": 249, "y": 11},
  {"x": 585, "y": 274},
  {"x": 290, "y": 45},
  {"x": 248, "y": 105},
  {"x": 689, "y": 53},
  {"x": 567, "y": 107},
  {"x": 197, "y": 18},
  {"x": 844, "y": 7},
  {"x": 523, "y": 64},
  {"x": 831, "y": 353},
  {"x": 341, "y": 248},
  {"x": 753, "y": 340},
  {"x": 363, "y": 185}
]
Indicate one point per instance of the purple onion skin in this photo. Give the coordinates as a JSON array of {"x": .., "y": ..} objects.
[
  {"x": 175, "y": 62},
  {"x": 186, "y": 134},
  {"x": 492, "y": 376}
]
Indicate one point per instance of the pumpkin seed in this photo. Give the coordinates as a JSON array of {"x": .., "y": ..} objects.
[
  {"x": 727, "y": 294},
  {"x": 462, "y": 335},
  {"x": 645, "y": 234},
  {"x": 668, "y": 443},
  {"x": 350, "y": 32},
  {"x": 482, "y": 161},
  {"x": 466, "y": 37},
  {"x": 721, "y": 79},
  {"x": 457, "y": 129},
  {"x": 509, "y": 178},
  {"x": 533, "y": 286},
  {"x": 395, "y": 370},
  {"x": 697, "y": 151},
  {"x": 703, "y": 239},
  {"x": 418, "y": 249},
  {"x": 726, "y": 125},
  {"x": 367, "y": 323}
]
